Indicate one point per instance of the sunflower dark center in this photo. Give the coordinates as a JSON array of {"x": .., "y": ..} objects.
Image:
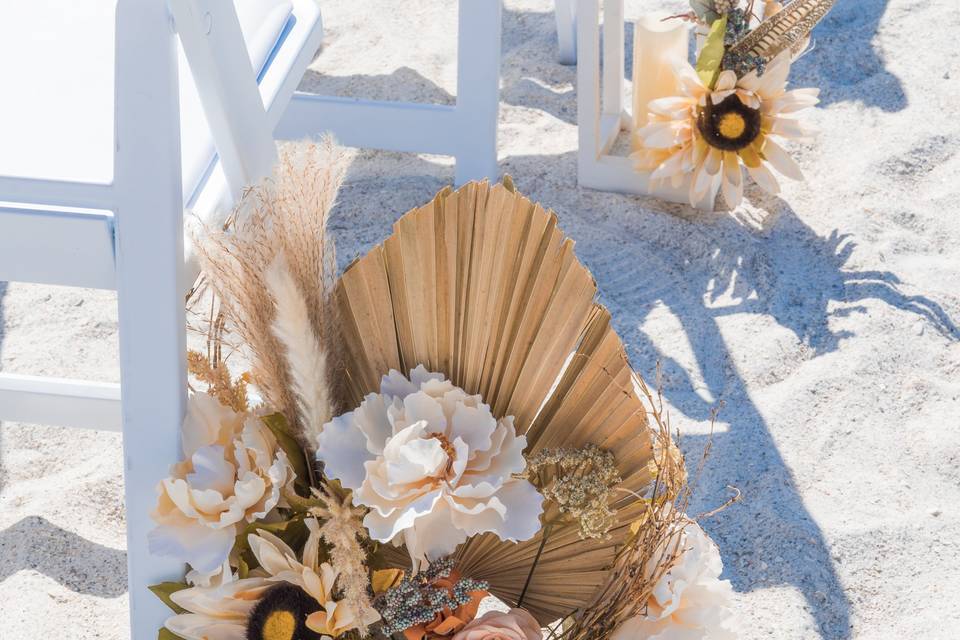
[
  {"x": 730, "y": 125},
  {"x": 281, "y": 614}
]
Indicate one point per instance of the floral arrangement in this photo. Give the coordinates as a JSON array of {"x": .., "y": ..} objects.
[
  {"x": 447, "y": 441},
  {"x": 734, "y": 109}
]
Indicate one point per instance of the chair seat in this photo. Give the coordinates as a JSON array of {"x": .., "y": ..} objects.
[{"x": 56, "y": 121}]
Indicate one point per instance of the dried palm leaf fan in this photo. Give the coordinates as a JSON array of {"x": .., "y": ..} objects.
[{"x": 481, "y": 285}]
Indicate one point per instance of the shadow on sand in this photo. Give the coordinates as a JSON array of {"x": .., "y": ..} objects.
[{"x": 75, "y": 562}]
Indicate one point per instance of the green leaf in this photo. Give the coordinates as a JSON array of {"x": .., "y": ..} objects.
[
  {"x": 166, "y": 634},
  {"x": 165, "y": 589},
  {"x": 277, "y": 424},
  {"x": 711, "y": 56}
]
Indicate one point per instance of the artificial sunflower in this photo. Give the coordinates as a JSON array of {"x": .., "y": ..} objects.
[
  {"x": 284, "y": 599},
  {"x": 703, "y": 135}
]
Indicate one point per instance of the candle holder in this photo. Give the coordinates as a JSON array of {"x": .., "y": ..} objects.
[{"x": 601, "y": 111}]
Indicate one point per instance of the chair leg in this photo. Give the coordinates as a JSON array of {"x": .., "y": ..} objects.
[
  {"x": 565, "y": 12},
  {"x": 478, "y": 89},
  {"x": 149, "y": 253}
]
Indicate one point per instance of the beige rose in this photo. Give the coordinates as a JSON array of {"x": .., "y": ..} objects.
[{"x": 515, "y": 624}]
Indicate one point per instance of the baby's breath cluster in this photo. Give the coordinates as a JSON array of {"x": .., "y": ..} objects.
[
  {"x": 416, "y": 600},
  {"x": 725, "y": 6},
  {"x": 579, "y": 482}
]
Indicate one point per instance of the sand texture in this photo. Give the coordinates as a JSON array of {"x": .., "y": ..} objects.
[{"x": 824, "y": 318}]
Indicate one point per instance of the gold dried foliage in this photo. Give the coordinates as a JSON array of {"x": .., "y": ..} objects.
[
  {"x": 278, "y": 233},
  {"x": 343, "y": 530},
  {"x": 231, "y": 393},
  {"x": 579, "y": 482}
]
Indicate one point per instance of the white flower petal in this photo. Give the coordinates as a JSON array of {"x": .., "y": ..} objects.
[
  {"x": 474, "y": 517},
  {"x": 419, "y": 459},
  {"x": 419, "y": 376},
  {"x": 781, "y": 160},
  {"x": 195, "y": 627},
  {"x": 211, "y": 470},
  {"x": 672, "y": 166},
  {"x": 732, "y": 180},
  {"x": 342, "y": 448},
  {"x": 764, "y": 178},
  {"x": 791, "y": 128},
  {"x": 672, "y": 107},
  {"x": 420, "y": 406},
  {"x": 434, "y": 535},
  {"x": 204, "y": 422},
  {"x": 774, "y": 79},
  {"x": 726, "y": 81},
  {"x": 272, "y": 553},
  {"x": 662, "y": 135},
  {"x": 386, "y": 528},
  {"x": 524, "y": 505},
  {"x": 397, "y": 385},
  {"x": 203, "y": 548},
  {"x": 233, "y": 599},
  {"x": 714, "y": 161},
  {"x": 793, "y": 101},
  {"x": 474, "y": 425}
]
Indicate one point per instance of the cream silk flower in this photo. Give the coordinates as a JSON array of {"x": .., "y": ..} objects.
[
  {"x": 432, "y": 464},
  {"x": 233, "y": 473}
]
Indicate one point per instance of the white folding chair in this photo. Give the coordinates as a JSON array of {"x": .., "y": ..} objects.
[
  {"x": 94, "y": 177},
  {"x": 565, "y": 11},
  {"x": 467, "y": 131}
]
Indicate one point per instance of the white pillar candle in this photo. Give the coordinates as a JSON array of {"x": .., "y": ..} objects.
[{"x": 657, "y": 46}]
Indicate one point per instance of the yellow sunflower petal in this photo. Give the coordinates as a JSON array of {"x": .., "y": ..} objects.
[{"x": 750, "y": 156}]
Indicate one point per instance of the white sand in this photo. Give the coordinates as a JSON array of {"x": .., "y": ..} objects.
[{"x": 823, "y": 318}]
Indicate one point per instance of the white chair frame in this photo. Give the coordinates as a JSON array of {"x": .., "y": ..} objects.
[
  {"x": 601, "y": 115},
  {"x": 467, "y": 131},
  {"x": 565, "y": 12},
  {"x": 128, "y": 235}
]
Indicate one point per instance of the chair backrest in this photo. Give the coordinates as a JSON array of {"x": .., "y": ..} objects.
[
  {"x": 136, "y": 231},
  {"x": 213, "y": 43}
]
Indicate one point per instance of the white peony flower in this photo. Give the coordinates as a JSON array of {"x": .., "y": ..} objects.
[
  {"x": 233, "y": 472},
  {"x": 689, "y": 602},
  {"x": 432, "y": 464}
]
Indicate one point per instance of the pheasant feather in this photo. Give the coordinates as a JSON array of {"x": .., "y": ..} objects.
[{"x": 788, "y": 28}]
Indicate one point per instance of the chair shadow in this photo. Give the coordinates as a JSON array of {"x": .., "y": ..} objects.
[
  {"x": 846, "y": 64},
  {"x": 75, "y": 562},
  {"x": 402, "y": 85}
]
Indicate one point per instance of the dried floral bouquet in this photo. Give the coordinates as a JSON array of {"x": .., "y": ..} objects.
[
  {"x": 734, "y": 109},
  {"x": 452, "y": 419}
]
